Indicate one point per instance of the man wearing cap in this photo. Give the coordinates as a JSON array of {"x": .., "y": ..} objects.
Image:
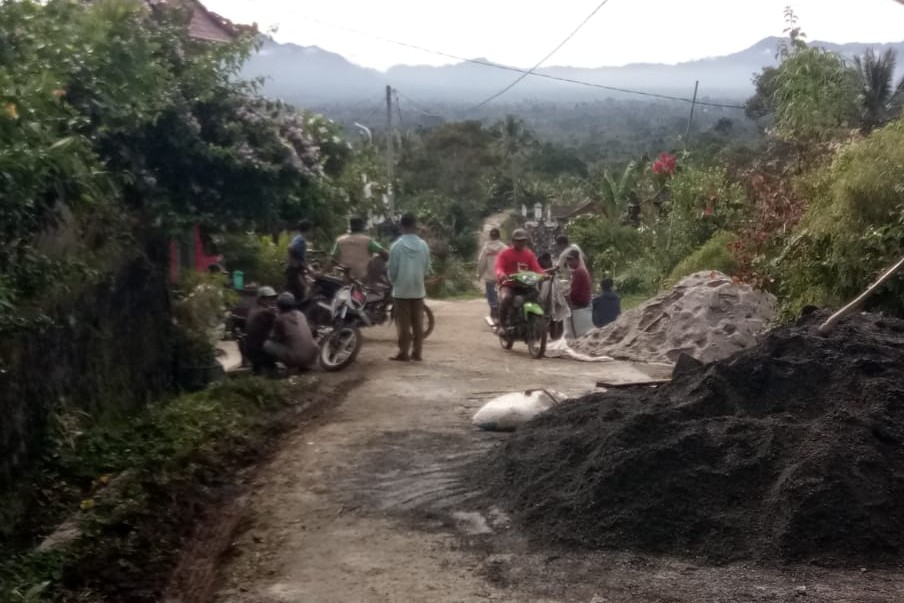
[
  {"x": 291, "y": 341},
  {"x": 517, "y": 258},
  {"x": 257, "y": 329}
]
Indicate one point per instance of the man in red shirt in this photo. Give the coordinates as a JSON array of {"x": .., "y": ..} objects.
[
  {"x": 517, "y": 258},
  {"x": 579, "y": 296},
  {"x": 581, "y": 292}
]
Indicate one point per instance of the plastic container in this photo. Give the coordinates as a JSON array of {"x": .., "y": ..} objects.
[{"x": 238, "y": 280}]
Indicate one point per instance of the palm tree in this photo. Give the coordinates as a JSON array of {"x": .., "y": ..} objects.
[
  {"x": 512, "y": 140},
  {"x": 878, "y": 95},
  {"x": 619, "y": 196}
]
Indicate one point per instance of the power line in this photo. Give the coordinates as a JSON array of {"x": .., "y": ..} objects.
[
  {"x": 541, "y": 61},
  {"x": 418, "y": 107},
  {"x": 525, "y": 71}
]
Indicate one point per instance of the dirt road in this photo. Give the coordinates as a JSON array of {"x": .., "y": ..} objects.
[{"x": 368, "y": 504}]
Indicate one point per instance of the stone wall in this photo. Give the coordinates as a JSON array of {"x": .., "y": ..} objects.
[{"x": 107, "y": 354}]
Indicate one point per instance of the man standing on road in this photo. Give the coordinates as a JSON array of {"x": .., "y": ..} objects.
[
  {"x": 486, "y": 270},
  {"x": 354, "y": 250},
  {"x": 298, "y": 263},
  {"x": 409, "y": 263},
  {"x": 517, "y": 258}
]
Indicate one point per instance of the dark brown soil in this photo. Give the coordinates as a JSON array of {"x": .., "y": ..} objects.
[{"x": 790, "y": 451}]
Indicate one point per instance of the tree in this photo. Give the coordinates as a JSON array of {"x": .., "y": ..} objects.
[
  {"x": 618, "y": 195},
  {"x": 877, "y": 90},
  {"x": 815, "y": 95},
  {"x": 512, "y": 141}
]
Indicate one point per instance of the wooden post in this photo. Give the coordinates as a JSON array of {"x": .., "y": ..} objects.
[{"x": 852, "y": 307}]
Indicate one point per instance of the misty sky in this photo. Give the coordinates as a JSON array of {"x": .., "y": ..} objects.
[{"x": 520, "y": 32}]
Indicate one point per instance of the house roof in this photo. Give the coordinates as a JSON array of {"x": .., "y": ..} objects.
[{"x": 205, "y": 24}]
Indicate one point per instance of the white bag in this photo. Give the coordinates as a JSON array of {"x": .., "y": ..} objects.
[{"x": 509, "y": 411}]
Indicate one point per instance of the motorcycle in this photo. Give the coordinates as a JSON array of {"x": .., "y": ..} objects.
[
  {"x": 527, "y": 321},
  {"x": 379, "y": 309},
  {"x": 340, "y": 338},
  {"x": 337, "y": 333}
]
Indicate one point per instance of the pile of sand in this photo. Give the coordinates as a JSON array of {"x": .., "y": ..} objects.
[
  {"x": 705, "y": 315},
  {"x": 790, "y": 451}
]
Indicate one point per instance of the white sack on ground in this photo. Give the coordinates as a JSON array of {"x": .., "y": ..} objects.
[
  {"x": 705, "y": 315},
  {"x": 509, "y": 411},
  {"x": 559, "y": 348}
]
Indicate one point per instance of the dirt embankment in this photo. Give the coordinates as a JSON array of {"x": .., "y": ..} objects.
[{"x": 790, "y": 451}]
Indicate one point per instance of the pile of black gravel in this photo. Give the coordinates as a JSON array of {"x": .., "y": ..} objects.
[{"x": 791, "y": 450}]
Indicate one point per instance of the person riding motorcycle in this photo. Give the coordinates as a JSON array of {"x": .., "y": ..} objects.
[{"x": 517, "y": 258}]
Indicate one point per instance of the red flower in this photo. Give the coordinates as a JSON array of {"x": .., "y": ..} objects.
[{"x": 666, "y": 164}]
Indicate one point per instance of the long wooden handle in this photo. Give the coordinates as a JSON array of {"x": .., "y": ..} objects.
[{"x": 852, "y": 307}]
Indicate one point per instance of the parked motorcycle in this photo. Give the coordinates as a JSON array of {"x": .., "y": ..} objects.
[
  {"x": 378, "y": 306},
  {"x": 527, "y": 321},
  {"x": 336, "y": 330},
  {"x": 340, "y": 338}
]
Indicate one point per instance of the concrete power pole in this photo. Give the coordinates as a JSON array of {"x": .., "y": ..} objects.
[
  {"x": 690, "y": 120},
  {"x": 389, "y": 192}
]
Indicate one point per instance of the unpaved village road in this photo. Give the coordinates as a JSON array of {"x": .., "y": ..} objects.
[{"x": 366, "y": 504}]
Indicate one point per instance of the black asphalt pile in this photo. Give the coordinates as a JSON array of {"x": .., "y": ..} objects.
[{"x": 792, "y": 450}]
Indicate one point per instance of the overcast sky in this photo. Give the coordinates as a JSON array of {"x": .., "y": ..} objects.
[{"x": 520, "y": 32}]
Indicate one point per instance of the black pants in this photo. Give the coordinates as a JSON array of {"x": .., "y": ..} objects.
[{"x": 295, "y": 282}]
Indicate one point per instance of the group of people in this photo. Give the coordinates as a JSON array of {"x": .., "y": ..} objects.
[
  {"x": 277, "y": 331},
  {"x": 497, "y": 261}
]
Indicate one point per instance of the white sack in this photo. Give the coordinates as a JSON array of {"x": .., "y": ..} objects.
[{"x": 509, "y": 411}]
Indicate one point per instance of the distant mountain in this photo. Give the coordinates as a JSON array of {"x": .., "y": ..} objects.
[{"x": 309, "y": 76}]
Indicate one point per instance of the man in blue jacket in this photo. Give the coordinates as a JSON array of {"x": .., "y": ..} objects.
[{"x": 409, "y": 263}]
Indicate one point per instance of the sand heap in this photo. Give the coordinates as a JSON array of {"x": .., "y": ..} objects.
[
  {"x": 705, "y": 315},
  {"x": 791, "y": 450}
]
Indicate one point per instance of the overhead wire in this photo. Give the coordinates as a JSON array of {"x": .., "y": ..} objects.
[
  {"x": 530, "y": 71},
  {"x": 417, "y": 106}
]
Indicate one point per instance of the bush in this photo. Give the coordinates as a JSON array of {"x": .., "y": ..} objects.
[
  {"x": 608, "y": 245},
  {"x": 703, "y": 202},
  {"x": 715, "y": 254},
  {"x": 853, "y": 228},
  {"x": 258, "y": 257}
]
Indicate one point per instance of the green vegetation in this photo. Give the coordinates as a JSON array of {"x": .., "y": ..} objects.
[{"x": 139, "y": 486}]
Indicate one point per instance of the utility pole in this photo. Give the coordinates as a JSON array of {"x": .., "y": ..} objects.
[
  {"x": 389, "y": 193},
  {"x": 690, "y": 120}
]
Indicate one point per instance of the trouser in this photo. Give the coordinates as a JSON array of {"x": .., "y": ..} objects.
[
  {"x": 287, "y": 356},
  {"x": 261, "y": 361},
  {"x": 295, "y": 282},
  {"x": 506, "y": 300},
  {"x": 409, "y": 316},
  {"x": 492, "y": 298}
]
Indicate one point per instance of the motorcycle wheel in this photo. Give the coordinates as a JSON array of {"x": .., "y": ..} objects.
[
  {"x": 506, "y": 343},
  {"x": 340, "y": 348},
  {"x": 536, "y": 336},
  {"x": 428, "y": 321}
]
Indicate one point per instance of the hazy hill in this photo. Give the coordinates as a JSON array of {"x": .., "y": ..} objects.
[{"x": 308, "y": 75}]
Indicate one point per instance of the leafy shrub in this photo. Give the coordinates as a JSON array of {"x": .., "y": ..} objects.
[
  {"x": 199, "y": 302},
  {"x": 451, "y": 276},
  {"x": 703, "y": 202},
  {"x": 715, "y": 254},
  {"x": 853, "y": 227},
  {"x": 608, "y": 245}
]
